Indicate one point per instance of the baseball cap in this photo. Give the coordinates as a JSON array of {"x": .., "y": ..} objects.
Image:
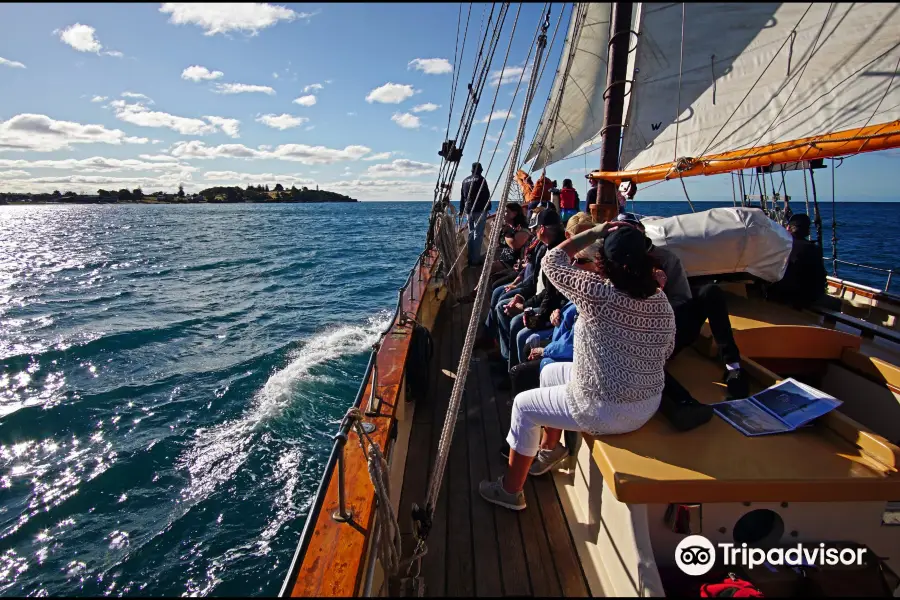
[
  {"x": 548, "y": 217},
  {"x": 624, "y": 246}
]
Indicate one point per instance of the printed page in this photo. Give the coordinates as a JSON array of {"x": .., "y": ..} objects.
[
  {"x": 748, "y": 418},
  {"x": 795, "y": 403}
]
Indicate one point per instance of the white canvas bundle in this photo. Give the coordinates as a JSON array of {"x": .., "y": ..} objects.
[{"x": 724, "y": 240}]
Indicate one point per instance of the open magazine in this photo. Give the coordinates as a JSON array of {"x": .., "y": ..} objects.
[{"x": 783, "y": 407}]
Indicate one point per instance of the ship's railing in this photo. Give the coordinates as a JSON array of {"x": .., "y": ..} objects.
[
  {"x": 890, "y": 272},
  {"x": 336, "y": 458}
]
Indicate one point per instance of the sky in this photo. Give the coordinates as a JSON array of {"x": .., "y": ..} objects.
[{"x": 353, "y": 98}]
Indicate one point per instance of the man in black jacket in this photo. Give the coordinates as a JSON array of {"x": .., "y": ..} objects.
[
  {"x": 805, "y": 279},
  {"x": 476, "y": 202}
]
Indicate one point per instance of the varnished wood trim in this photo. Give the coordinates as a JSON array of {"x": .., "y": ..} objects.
[
  {"x": 873, "y": 369},
  {"x": 333, "y": 563}
]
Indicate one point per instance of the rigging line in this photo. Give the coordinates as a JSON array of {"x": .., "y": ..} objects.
[
  {"x": 794, "y": 89},
  {"x": 500, "y": 135},
  {"x": 688, "y": 198},
  {"x": 440, "y": 461},
  {"x": 553, "y": 120},
  {"x": 875, "y": 112},
  {"x": 733, "y": 192},
  {"x": 544, "y": 66},
  {"x": 477, "y": 63},
  {"x": 755, "y": 83},
  {"x": 805, "y": 192},
  {"x": 454, "y": 83},
  {"x": 678, "y": 110},
  {"x": 834, "y": 238}
]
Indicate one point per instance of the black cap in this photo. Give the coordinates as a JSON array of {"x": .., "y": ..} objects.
[
  {"x": 548, "y": 217},
  {"x": 477, "y": 168},
  {"x": 624, "y": 246},
  {"x": 800, "y": 220}
]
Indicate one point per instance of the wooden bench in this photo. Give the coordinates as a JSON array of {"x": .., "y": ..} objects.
[
  {"x": 835, "y": 460},
  {"x": 867, "y": 330}
]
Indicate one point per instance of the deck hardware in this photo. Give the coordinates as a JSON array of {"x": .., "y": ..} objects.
[
  {"x": 368, "y": 427},
  {"x": 342, "y": 514},
  {"x": 784, "y": 505},
  {"x": 374, "y": 406},
  {"x": 684, "y": 518},
  {"x": 722, "y": 530}
]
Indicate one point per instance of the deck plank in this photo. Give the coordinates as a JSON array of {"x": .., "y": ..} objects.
[
  {"x": 460, "y": 568},
  {"x": 475, "y": 548}
]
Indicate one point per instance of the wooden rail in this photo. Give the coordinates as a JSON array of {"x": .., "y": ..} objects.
[{"x": 332, "y": 563}]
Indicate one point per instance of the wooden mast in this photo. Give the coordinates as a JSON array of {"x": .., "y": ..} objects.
[{"x": 613, "y": 109}]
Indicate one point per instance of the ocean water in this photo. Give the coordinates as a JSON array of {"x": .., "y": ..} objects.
[{"x": 170, "y": 377}]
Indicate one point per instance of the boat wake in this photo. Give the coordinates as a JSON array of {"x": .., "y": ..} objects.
[{"x": 218, "y": 452}]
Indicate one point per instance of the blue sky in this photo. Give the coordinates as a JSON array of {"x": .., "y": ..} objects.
[{"x": 153, "y": 95}]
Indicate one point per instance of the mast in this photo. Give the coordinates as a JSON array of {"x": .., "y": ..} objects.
[{"x": 613, "y": 108}]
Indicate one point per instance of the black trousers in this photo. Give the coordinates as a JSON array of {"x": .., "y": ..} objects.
[{"x": 708, "y": 302}]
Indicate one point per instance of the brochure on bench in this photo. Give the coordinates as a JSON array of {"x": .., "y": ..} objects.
[{"x": 783, "y": 407}]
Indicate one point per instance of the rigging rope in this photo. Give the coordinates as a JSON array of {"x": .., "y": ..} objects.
[
  {"x": 678, "y": 110},
  {"x": 805, "y": 192},
  {"x": 834, "y": 238},
  {"x": 440, "y": 462},
  {"x": 454, "y": 81}
]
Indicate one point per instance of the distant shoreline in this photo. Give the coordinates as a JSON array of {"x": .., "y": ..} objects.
[{"x": 82, "y": 203}]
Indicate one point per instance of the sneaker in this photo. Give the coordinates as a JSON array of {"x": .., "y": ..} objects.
[
  {"x": 736, "y": 381},
  {"x": 493, "y": 492},
  {"x": 547, "y": 459}
]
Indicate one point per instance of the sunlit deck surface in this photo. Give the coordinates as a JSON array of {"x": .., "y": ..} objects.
[{"x": 475, "y": 548}]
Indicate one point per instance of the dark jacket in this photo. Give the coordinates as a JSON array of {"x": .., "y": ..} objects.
[
  {"x": 476, "y": 197},
  {"x": 549, "y": 299},
  {"x": 804, "y": 280},
  {"x": 591, "y": 197}
]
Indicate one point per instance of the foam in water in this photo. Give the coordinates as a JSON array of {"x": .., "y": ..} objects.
[{"x": 218, "y": 452}]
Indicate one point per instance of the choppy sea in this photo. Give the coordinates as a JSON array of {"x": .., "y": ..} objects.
[{"x": 171, "y": 376}]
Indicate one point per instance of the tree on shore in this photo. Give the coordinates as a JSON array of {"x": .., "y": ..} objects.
[
  {"x": 180, "y": 191},
  {"x": 138, "y": 193},
  {"x": 56, "y": 194},
  {"x": 279, "y": 187},
  {"x": 267, "y": 187},
  {"x": 103, "y": 193},
  {"x": 124, "y": 194},
  {"x": 70, "y": 195}
]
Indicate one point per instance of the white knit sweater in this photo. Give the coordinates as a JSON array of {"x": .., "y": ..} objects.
[{"x": 621, "y": 346}]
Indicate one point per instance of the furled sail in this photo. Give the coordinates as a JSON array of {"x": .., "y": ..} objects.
[
  {"x": 573, "y": 115},
  {"x": 756, "y": 78}
]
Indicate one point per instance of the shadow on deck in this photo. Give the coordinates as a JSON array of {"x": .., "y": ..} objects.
[{"x": 475, "y": 548}]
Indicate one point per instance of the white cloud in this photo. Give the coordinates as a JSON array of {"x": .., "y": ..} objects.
[
  {"x": 312, "y": 87},
  {"x": 406, "y": 120},
  {"x": 401, "y": 167},
  {"x": 390, "y": 93},
  {"x": 497, "y": 114},
  {"x": 99, "y": 99},
  {"x": 11, "y": 63},
  {"x": 510, "y": 75},
  {"x": 198, "y": 73},
  {"x": 287, "y": 180},
  {"x": 223, "y": 17},
  {"x": 351, "y": 114},
  {"x": 88, "y": 184},
  {"x": 392, "y": 189},
  {"x": 158, "y": 157},
  {"x": 427, "y": 107},
  {"x": 310, "y": 155},
  {"x": 380, "y": 156},
  {"x": 309, "y": 128},
  {"x": 137, "y": 96},
  {"x": 81, "y": 38},
  {"x": 14, "y": 174},
  {"x": 241, "y": 88},
  {"x": 431, "y": 66},
  {"x": 282, "y": 122},
  {"x": 98, "y": 164},
  {"x": 40, "y": 133},
  {"x": 138, "y": 114},
  {"x": 305, "y": 100},
  {"x": 275, "y": 75},
  {"x": 231, "y": 127}
]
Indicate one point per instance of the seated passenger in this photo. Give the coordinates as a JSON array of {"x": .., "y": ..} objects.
[
  {"x": 805, "y": 279},
  {"x": 624, "y": 334},
  {"x": 692, "y": 308}
]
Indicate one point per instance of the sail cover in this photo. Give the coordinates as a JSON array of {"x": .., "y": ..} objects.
[
  {"x": 756, "y": 74},
  {"x": 571, "y": 120},
  {"x": 724, "y": 240}
]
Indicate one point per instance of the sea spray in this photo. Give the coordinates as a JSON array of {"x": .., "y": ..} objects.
[{"x": 218, "y": 452}]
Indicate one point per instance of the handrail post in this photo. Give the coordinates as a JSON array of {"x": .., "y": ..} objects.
[
  {"x": 342, "y": 514},
  {"x": 374, "y": 408},
  {"x": 887, "y": 285}
]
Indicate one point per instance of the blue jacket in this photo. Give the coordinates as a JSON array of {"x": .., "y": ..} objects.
[{"x": 562, "y": 343}]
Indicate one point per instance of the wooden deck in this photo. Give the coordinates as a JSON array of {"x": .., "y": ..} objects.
[{"x": 475, "y": 548}]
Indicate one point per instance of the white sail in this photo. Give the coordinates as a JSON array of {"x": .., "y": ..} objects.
[
  {"x": 570, "y": 122},
  {"x": 756, "y": 74}
]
